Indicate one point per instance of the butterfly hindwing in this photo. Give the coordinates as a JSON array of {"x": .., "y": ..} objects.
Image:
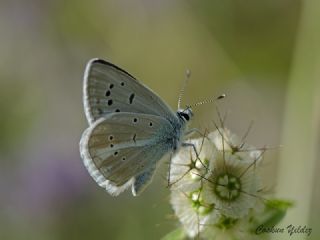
[
  {"x": 142, "y": 180},
  {"x": 108, "y": 89},
  {"x": 118, "y": 148}
]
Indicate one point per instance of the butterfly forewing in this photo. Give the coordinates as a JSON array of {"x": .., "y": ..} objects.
[
  {"x": 108, "y": 89},
  {"x": 121, "y": 146}
]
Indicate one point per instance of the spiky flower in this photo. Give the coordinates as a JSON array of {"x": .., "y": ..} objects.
[
  {"x": 192, "y": 211},
  {"x": 187, "y": 169},
  {"x": 232, "y": 183},
  {"x": 215, "y": 188}
]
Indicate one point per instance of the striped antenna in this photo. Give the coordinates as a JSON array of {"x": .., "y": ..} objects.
[
  {"x": 209, "y": 100},
  {"x": 187, "y": 76}
]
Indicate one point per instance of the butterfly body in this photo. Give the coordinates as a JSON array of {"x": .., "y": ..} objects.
[{"x": 130, "y": 129}]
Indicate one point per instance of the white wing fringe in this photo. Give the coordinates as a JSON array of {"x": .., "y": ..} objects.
[{"x": 109, "y": 186}]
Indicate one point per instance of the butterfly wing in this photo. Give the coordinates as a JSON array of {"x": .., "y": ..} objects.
[
  {"x": 108, "y": 88},
  {"x": 141, "y": 181},
  {"x": 123, "y": 149}
]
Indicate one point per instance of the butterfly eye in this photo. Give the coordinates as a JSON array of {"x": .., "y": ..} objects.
[{"x": 185, "y": 116}]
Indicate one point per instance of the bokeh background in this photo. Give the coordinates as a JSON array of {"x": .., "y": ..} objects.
[{"x": 263, "y": 54}]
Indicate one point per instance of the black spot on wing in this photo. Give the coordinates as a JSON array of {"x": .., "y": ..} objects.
[{"x": 131, "y": 98}]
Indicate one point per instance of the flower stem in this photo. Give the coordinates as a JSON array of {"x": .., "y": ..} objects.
[{"x": 297, "y": 166}]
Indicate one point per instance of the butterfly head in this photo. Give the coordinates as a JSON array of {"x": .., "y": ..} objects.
[{"x": 185, "y": 114}]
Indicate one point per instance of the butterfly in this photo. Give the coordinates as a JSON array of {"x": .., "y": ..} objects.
[{"x": 131, "y": 129}]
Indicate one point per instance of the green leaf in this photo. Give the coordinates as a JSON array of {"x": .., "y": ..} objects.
[
  {"x": 177, "y": 234},
  {"x": 275, "y": 210},
  {"x": 279, "y": 204}
]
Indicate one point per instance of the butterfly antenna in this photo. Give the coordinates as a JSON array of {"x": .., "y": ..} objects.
[
  {"x": 209, "y": 100},
  {"x": 187, "y": 76}
]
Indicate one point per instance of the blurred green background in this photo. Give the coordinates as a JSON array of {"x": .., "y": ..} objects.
[{"x": 263, "y": 54}]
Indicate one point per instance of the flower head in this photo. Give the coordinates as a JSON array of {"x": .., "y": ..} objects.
[
  {"x": 214, "y": 183},
  {"x": 193, "y": 212},
  {"x": 231, "y": 184},
  {"x": 187, "y": 169}
]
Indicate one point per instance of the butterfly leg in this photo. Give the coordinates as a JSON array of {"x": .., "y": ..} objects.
[
  {"x": 193, "y": 146},
  {"x": 189, "y": 132},
  {"x": 192, "y": 131}
]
